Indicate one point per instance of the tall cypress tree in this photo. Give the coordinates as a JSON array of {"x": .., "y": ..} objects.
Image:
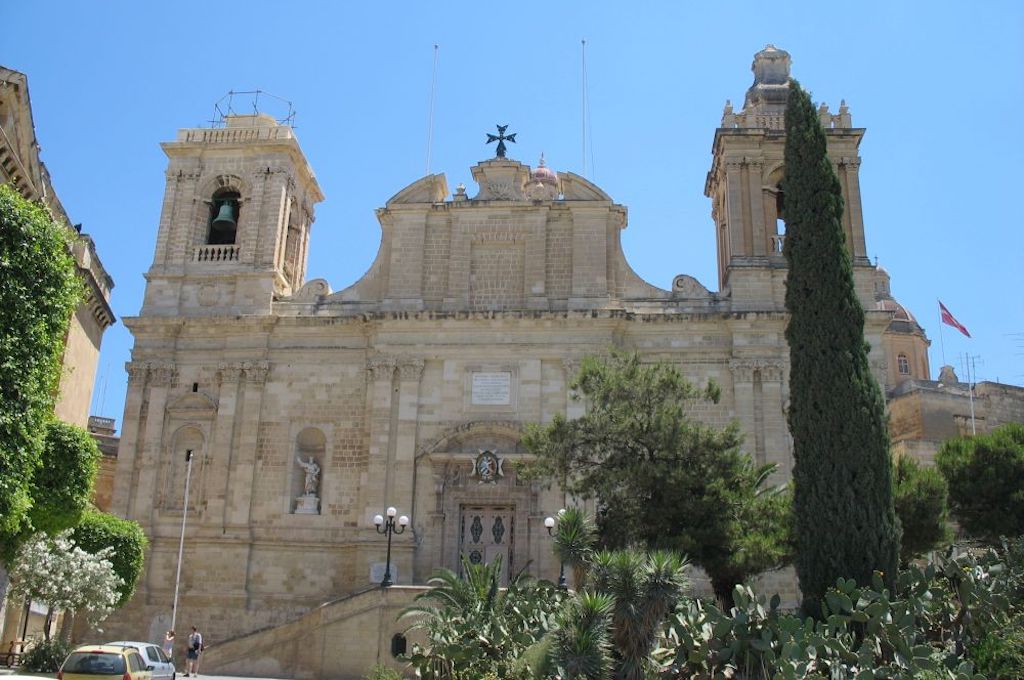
[{"x": 843, "y": 502}]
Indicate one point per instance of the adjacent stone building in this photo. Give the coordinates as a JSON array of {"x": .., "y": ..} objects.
[
  {"x": 925, "y": 413},
  {"x": 309, "y": 410},
  {"x": 22, "y": 168}
]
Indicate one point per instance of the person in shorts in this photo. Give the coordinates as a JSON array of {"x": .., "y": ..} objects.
[{"x": 195, "y": 648}]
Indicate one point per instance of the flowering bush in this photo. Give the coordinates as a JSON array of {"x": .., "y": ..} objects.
[{"x": 58, "y": 573}]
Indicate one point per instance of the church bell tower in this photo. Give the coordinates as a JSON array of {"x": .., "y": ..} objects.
[
  {"x": 236, "y": 218},
  {"x": 744, "y": 184}
]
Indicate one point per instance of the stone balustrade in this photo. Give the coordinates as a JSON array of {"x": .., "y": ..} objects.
[{"x": 216, "y": 253}]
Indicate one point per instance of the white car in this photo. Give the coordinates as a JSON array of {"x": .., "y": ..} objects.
[{"x": 163, "y": 668}]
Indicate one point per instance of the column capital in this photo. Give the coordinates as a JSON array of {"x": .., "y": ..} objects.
[
  {"x": 410, "y": 369},
  {"x": 770, "y": 370},
  {"x": 162, "y": 374},
  {"x": 137, "y": 371},
  {"x": 381, "y": 367},
  {"x": 229, "y": 373},
  {"x": 256, "y": 371}
]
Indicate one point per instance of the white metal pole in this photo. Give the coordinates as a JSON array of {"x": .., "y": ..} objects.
[
  {"x": 430, "y": 118},
  {"x": 970, "y": 387},
  {"x": 181, "y": 542}
]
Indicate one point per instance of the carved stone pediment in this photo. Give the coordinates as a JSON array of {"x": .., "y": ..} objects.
[{"x": 192, "y": 406}]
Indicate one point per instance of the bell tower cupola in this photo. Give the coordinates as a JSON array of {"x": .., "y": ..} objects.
[
  {"x": 236, "y": 219},
  {"x": 744, "y": 185}
]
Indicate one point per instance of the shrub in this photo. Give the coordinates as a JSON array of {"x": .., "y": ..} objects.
[
  {"x": 922, "y": 627},
  {"x": 98, "y": 531},
  {"x": 999, "y": 655},
  {"x": 46, "y": 656},
  {"x": 382, "y": 672}
]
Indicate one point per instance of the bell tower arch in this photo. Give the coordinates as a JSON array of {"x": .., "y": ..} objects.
[
  {"x": 745, "y": 187},
  {"x": 236, "y": 218}
]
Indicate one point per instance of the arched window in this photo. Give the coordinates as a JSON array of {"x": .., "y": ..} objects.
[
  {"x": 902, "y": 364},
  {"x": 175, "y": 468},
  {"x": 223, "y": 222}
]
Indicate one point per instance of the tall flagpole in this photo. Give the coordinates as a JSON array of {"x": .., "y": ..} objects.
[
  {"x": 181, "y": 542},
  {"x": 583, "y": 106},
  {"x": 942, "y": 343}
]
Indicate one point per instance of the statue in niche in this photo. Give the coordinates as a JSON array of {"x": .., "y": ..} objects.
[{"x": 312, "y": 475}]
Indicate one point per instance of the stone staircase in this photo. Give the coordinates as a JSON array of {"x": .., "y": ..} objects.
[{"x": 341, "y": 639}]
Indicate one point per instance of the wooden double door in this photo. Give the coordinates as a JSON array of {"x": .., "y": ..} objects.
[{"x": 485, "y": 534}]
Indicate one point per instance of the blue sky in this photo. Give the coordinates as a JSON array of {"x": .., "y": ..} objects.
[{"x": 939, "y": 87}]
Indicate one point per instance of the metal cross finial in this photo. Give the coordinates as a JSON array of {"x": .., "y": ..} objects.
[{"x": 501, "y": 138}]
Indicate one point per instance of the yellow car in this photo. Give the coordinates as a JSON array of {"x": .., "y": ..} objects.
[{"x": 92, "y": 662}]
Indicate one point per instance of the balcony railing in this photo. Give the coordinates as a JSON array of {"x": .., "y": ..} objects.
[
  {"x": 778, "y": 241},
  {"x": 217, "y": 253}
]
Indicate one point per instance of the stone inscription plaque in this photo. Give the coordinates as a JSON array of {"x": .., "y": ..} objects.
[{"x": 492, "y": 389}]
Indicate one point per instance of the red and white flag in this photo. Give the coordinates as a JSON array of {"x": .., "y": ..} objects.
[{"x": 950, "y": 320}]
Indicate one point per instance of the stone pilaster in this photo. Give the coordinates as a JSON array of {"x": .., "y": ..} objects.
[
  {"x": 574, "y": 408},
  {"x": 379, "y": 406},
  {"x": 128, "y": 450},
  {"x": 758, "y": 385},
  {"x": 161, "y": 378},
  {"x": 241, "y": 479},
  {"x": 400, "y": 469},
  {"x": 536, "y": 262},
  {"x": 222, "y": 444},
  {"x": 850, "y": 169},
  {"x": 755, "y": 203}
]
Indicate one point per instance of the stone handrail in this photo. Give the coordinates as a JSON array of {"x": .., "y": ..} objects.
[
  {"x": 216, "y": 253},
  {"x": 778, "y": 242},
  {"x": 231, "y": 135}
]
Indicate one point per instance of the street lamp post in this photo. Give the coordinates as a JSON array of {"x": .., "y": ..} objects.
[
  {"x": 549, "y": 524},
  {"x": 181, "y": 542},
  {"x": 389, "y": 528}
]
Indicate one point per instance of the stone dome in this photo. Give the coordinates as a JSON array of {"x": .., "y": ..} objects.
[
  {"x": 543, "y": 184},
  {"x": 542, "y": 173}
]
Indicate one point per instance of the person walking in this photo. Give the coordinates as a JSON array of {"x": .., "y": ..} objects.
[
  {"x": 195, "y": 648},
  {"x": 168, "y": 645}
]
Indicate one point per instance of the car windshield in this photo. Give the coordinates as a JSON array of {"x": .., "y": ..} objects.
[{"x": 94, "y": 663}]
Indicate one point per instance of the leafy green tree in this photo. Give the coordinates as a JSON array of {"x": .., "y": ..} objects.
[
  {"x": 920, "y": 496},
  {"x": 121, "y": 540},
  {"x": 62, "y": 484},
  {"x": 986, "y": 481},
  {"x": 39, "y": 290},
  {"x": 845, "y": 518},
  {"x": 662, "y": 479}
]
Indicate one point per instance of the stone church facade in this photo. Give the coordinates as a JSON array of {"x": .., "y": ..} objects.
[{"x": 411, "y": 388}]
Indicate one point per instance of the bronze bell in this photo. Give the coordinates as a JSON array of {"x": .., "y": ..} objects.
[{"x": 225, "y": 220}]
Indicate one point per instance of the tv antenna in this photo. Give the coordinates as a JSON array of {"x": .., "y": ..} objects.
[{"x": 279, "y": 108}]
